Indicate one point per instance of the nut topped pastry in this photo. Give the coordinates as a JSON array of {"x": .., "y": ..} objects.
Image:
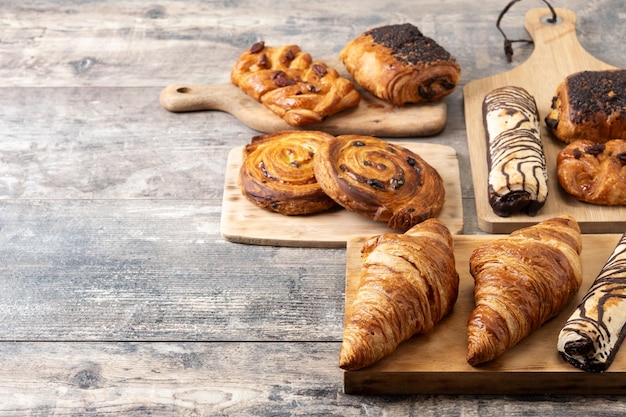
[
  {"x": 397, "y": 63},
  {"x": 289, "y": 83}
]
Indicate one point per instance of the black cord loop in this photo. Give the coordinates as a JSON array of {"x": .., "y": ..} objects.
[{"x": 508, "y": 43}]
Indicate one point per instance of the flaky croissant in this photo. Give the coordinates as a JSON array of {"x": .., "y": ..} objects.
[
  {"x": 289, "y": 83},
  {"x": 521, "y": 281},
  {"x": 408, "y": 284}
]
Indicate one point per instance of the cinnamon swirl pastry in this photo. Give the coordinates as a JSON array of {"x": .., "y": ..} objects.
[
  {"x": 518, "y": 178},
  {"x": 397, "y": 63},
  {"x": 277, "y": 172},
  {"x": 589, "y": 105},
  {"x": 380, "y": 180},
  {"x": 594, "y": 172},
  {"x": 287, "y": 81}
]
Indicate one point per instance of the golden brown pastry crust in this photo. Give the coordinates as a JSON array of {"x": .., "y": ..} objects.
[
  {"x": 380, "y": 180},
  {"x": 408, "y": 284},
  {"x": 521, "y": 281},
  {"x": 287, "y": 81},
  {"x": 594, "y": 172},
  {"x": 589, "y": 105},
  {"x": 277, "y": 172},
  {"x": 397, "y": 63}
]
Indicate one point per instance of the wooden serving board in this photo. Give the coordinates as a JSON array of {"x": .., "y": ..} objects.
[
  {"x": 557, "y": 54},
  {"x": 244, "y": 222},
  {"x": 434, "y": 362},
  {"x": 372, "y": 116}
]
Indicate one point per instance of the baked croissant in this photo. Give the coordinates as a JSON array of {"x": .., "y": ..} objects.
[
  {"x": 589, "y": 105},
  {"x": 287, "y": 81},
  {"x": 521, "y": 281},
  {"x": 277, "y": 172},
  {"x": 408, "y": 283},
  {"x": 594, "y": 172},
  {"x": 380, "y": 180},
  {"x": 594, "y": 332},
  {"x": 397, "y": 63}
]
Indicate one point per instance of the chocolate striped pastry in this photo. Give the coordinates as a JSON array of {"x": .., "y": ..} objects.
[
  {"x": 518, "y": 177},
  {"x": 589, "y": 105},
  {"x": 397, "y": 63},
  {"x": 594, "y": 332}
]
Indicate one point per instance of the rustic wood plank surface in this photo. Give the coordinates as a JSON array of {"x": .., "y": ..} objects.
[{"x": 118, "y": 295}]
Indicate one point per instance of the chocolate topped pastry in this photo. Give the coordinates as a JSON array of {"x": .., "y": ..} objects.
[
  {"x": 516, "y": 160},
  {"x": 590, "y": 105},
  {"x": 594, "y": 332},
  {"x": 397, "y": 63}
]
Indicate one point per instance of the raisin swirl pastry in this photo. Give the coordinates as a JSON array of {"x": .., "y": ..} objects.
[
  {"x": 380, "y": 180},
  {"x": 521, "y": 281},
  {"x": 594, "y": 172},
  {"x": 277, "y": 172},
  {"x": 589, "y": 105},
  {"x": 397, "y": 63},
  {"x": 594, "y": 332},
  {"x": 408, "y": 283},
  {"x": 518, "y": 179},
  {"x": 289, "y": 83}
]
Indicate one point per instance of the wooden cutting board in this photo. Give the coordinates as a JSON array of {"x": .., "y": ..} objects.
[
  {"x": 244, "y": 222},
  {"x": 557, "y": 54},
  {"x": 434, "y": 363},
  {"x": 372, "y": 116}
]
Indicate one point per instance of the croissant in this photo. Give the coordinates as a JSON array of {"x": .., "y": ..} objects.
[
  {"x": 521, "y": 281},
  {"x": 589, "y": 105},
  {"x": 408, "y": 283},
  {"x": 518, "y": 178},
  {"x": 380, "y": 180},
  {"x": 277, "y": 172},
  {"x": 594, "y": 332},
  {"x": 594, "y": 172},
  {"x": 397, "y": 63},
  {"x": 287, "y": 81}
]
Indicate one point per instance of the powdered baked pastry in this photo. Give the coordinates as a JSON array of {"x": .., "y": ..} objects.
[
  {"x": 288, "y": 82},
  {"x": 521, "y": 281},
  {"x": 594, "y": 172},
  {"x": 518, "y": 179},
  {"x": 397, "y": 63},
  {"x": 408, "y": 284},
  {"x": 594, "y": 332},
  {"x": 277, "y": 172},
  {"x": 380, "y": 180},
  {"x": 590, "y": 105}
]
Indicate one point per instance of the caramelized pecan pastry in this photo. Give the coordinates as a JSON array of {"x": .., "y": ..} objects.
[
  {"x": 589, "y": 105},
  {"x": 380, "y": 180},
  {"x": 518, "y": 179},
  {"x": 408, "y": 283},
  {"x": 594, "y": 332},
  {"x": 521, "y": 281},
  {"x": 287, "y": 81},
  {"x": 594, "y": 172},
  {"x": 397, "y": 63},
  {"x": 277, "y": 172}
]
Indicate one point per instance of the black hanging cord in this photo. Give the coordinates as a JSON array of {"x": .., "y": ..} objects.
[{"x": 508, "y": 43}]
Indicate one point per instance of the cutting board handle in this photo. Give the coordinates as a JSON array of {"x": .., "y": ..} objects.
[{"x": 185, "y": 97}]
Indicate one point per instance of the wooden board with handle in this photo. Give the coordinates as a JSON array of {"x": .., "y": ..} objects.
[
  {"x": 557, "y": 54},
  {"x": 434, "y": 362},
  {"x": 372, "y": 116},
  {"x": 244, "y": 222}
]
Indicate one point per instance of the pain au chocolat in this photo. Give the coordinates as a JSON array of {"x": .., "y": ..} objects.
[
  {"x": 277, "y": 172},
  {"x": 289, "y": 83},
  {"x": 383, "y": 181},
  {"x": 589, "y": 105},
  {"x": 518, "y": 178},
  {"x": 397, "y": 63},
  {"x": 594, "y": 332}
]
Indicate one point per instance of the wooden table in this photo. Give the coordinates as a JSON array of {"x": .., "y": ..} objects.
[{"x": 118, "y": 294}]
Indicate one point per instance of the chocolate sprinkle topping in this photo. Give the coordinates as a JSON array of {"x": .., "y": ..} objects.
[{"x": 593, "y": 92}]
